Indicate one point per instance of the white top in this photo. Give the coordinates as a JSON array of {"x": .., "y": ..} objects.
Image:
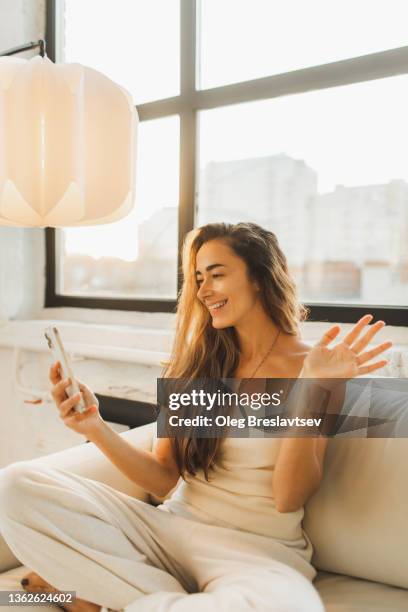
[{"x": 239, "y": 495}]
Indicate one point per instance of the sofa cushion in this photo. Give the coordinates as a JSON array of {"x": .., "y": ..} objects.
[
  {"x": 88, "y": 461},
  {"x": 357, "y": 519},
  {"x": 345, "y": 594}
]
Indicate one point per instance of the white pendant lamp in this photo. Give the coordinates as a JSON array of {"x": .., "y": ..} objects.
[{"x": 67, "y": 145}]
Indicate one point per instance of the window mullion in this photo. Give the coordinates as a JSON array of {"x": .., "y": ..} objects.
[
  {"x": 187, "y": 123},
  {"x": 344, "y": 72}
]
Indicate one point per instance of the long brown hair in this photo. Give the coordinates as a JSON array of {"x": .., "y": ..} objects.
[{"x": 199, "y": 350}]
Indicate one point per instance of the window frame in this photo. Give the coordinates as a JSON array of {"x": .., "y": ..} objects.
[{"x": 187, "y": 105}]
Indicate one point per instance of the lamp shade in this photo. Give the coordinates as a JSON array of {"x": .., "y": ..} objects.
[{"x": 67, "y": 145}]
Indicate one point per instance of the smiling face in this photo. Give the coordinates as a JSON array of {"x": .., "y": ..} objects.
[{"x": 224, "y": 286}]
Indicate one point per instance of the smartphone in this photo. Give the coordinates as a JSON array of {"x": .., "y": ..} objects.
[{"x": 54, "y": 341}]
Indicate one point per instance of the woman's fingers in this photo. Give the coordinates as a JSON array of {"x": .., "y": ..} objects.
[
  {"x": 58, "y": 391},
  {"x": 371, "y": 332},
  {"x": 329, "y": 336},
  {"x": 55, "y": 374},
  {"x": 85, "y": 390},
  {"x": 87, "y": 394},
  {"x": 373, "y": 352},
  {"x": 357, "y": 329},
  {"x": 374, "y": 366},
  {"x": 66, "y": 406}
]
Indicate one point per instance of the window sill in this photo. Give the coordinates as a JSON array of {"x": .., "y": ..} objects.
[
  {"x": 165, "y": 322},
  {"x": 143, "y": 338},
  {"x": 98, "y": 341}
]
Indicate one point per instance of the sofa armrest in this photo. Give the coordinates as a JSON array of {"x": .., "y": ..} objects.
[{"x": 88, "y": 461}]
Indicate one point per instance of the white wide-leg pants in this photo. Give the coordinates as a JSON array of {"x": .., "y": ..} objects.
[{"x": 121, "y": 553}]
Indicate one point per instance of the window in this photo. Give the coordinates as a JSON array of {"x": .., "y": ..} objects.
[
  {"x": 137, "y": 256},
  {"x": 135, "y": 43},
  {"x": 289, "y": 114},
  {"x": 326, "y": 172},
  {"x": 249, "y": 39}
]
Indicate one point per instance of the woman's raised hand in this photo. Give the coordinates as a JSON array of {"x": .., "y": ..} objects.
[
  {"x": 348, "y": 358},
  {"x": 85, "y": 423}
]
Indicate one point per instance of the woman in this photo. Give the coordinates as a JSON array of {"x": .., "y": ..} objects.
[{"x": 230, "y": 537}]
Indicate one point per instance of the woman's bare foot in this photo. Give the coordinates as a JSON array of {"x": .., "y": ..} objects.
[{"x": 36, "y": 583}]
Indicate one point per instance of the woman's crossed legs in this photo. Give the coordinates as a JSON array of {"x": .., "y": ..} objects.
[{"x": 121, "y": 553}]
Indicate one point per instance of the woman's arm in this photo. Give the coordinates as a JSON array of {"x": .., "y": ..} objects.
[
  {"x": 299, "y": 466},
  {"x": 298, "y": 472},
  {"x": 156, "y": 472}
]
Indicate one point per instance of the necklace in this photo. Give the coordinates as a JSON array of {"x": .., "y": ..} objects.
[{"x": 241, "y": 384}]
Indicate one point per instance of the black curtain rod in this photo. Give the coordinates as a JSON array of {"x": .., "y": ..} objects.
[{"x": 26, "y": 47}]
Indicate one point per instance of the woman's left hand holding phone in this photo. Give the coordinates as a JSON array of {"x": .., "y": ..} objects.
[{"x": 86, "y": 423}]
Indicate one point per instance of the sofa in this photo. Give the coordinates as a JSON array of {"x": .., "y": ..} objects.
[{"x": 357, "y": 520}]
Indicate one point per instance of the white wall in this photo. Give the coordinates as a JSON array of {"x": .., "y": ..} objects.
[
  {"x": 22, "y": 281},
  {"x": 21, "y": 21}
]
